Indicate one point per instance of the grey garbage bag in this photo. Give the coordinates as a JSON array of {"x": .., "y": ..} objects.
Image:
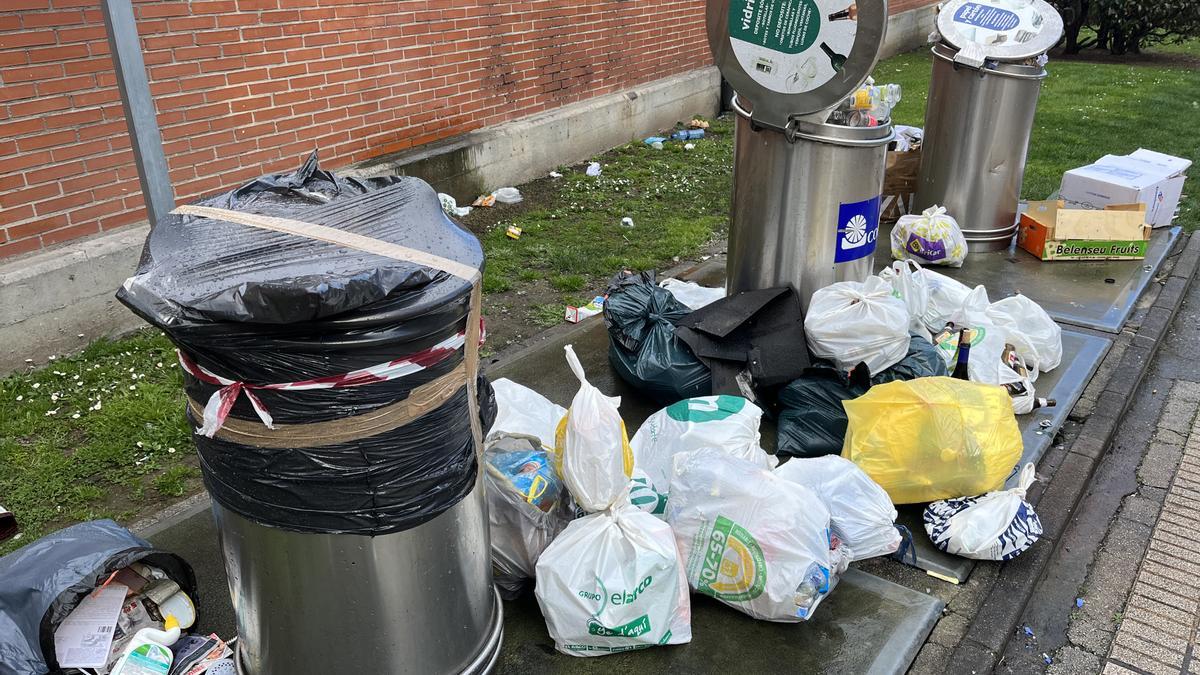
[
  {"x": 42, "y": 582},
  {"x": 528, "y": 506},
  {"x": 812, "y": 421}
]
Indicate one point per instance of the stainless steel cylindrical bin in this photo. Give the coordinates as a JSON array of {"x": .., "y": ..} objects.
[
  {"x": 977, "y": 129},
  {"x": 805, "y": 209},
  {"x": 424, "y": 593}
]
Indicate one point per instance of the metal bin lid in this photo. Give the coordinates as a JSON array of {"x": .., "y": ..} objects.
[
  {"x": 792, "y": 58},
  {"x": 999, "y": 30}
]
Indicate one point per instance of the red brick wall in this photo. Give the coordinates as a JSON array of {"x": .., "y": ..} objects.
[{"x": 247, "y": 86}]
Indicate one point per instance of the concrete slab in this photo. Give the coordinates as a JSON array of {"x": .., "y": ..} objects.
[
  {"x": 1077, "y": 293},
  {"x": 868, "y": 625}
]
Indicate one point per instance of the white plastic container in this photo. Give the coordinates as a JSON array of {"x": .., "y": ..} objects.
[{"x": 149, "y": 652}]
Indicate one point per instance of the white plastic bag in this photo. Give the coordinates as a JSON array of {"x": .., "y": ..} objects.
[
  {"x": 908, "y": 283},
  {"x": 751, "y": 539},
  {"x": 611, "y": 582},
  {"x": 1022, "y": 316},
  {"x": 728, "y": 423},
  {"x": 851, "y": 323},
  {"x": 449, "y": 205},
  {"x": 986, "y": 363},
  {"x": 692, "y": 295},
  {"x": 508, "y": 195},
  {"x": 995, "y": 526},
  {"x": 528, "y": 506},
  {"x": 946, "y": 296},
  {"x": 860, "y": 512},
  {"x": 593, "y": 169},
  {"x": 932, "y": 238},
  {"x": 592, "y": 448},
  {"x": 521, "y": 410}
]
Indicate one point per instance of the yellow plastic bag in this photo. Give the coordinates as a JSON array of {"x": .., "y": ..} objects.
[{"x": 933, "y": 438}]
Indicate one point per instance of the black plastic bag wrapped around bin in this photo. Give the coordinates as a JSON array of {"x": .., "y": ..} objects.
[
  {"x": 42, "y": 582},
  {"x": 345, "y": 315},
  {"x": 812, "y": 420},
  {"x": 641, "y": 317}
]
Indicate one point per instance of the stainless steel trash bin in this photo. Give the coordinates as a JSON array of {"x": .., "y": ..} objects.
[
  {"x": 422, "y": 599},
  {"x": 806, "y": 210},
  {"x": 982, "y": 99},
  {"x": 806, "y": 193}
]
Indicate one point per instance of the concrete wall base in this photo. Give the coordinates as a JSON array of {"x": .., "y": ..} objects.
[
  {"x": 513, "y": 153},
  {"x": 57, "y": 301}
]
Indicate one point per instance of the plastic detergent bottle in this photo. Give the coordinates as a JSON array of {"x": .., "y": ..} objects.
[{"x": 148, "y": 653}]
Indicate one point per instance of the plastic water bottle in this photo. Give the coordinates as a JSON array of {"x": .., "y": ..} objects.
[{"x": 688, "y": 134}]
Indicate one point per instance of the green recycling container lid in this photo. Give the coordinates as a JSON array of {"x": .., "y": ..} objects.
[
  {"x": 791, "y": 58},
  {"x": 999, "y": 30}
]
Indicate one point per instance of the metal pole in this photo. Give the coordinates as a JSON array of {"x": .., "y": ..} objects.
[{"x": 140, "y": 115}]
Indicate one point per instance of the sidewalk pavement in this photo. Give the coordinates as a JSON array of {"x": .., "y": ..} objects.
[{"x": 1158, "y": 626}]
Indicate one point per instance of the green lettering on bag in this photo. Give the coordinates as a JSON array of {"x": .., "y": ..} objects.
[
  {"x": 636, "y": 628},
  {"x": 706, "y": 410},
  {"x": 734, "y": 567}
]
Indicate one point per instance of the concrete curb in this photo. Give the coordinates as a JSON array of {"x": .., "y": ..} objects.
[{"x": 1000, "y": 612}]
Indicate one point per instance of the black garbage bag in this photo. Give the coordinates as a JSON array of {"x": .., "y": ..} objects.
[
  {"x": 328, "y": 329},
  {"x": 641, "y": 317},
  {"x": 812, "y": 420},
  {"x": 42, "y": 582}
]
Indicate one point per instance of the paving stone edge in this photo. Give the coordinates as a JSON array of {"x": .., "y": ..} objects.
[{"x": 978, "y": 652}]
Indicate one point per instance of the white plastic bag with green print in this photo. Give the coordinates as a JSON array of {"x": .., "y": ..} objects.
[
  {"x": 613, "y": 582},
  {"x": 751, "y": 539},
  {"x": 932, "y": 238},
  {"x": 728, "y": 423}
]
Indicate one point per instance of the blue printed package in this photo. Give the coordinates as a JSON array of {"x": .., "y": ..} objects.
[{"x": 531, "y": 474}]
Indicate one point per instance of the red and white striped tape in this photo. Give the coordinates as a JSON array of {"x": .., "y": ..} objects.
[{"x": 222, "y": 400}]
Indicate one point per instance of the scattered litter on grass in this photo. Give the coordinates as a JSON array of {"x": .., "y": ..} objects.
[
  {"x": 698, "y": 123},
  {"x": 508, "y": 195},
  {"x": 654, "y": 139},
  {"x": 689, "y": 146},
  {"x": 486, "y": 201},
  {"x": 555, "y": 174},
  {"x": 1079, "y": 602},
  {"x": 512, "y": 232},
  {"x": 593, "y": 169},
  {"x": 627, "y": 222}
]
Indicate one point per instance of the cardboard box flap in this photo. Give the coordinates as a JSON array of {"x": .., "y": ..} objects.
[
  {"x": 1175, "y": 165},
  {"x": 1128, "y": 221},
  {"x": 1122, "y": 171}
]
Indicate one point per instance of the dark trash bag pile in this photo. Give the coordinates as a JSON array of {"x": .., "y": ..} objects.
[
  {"x": 812, "y": 420},
  {"x": 641, "y": 318},
  {"x": 41, "y": 583},
  {"x": 261, "y": 307}
]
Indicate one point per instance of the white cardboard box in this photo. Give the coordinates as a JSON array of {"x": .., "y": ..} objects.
[{"x": 1145, "y": 176}]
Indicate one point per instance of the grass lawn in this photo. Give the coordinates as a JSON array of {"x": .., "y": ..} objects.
[{"x": 102, "y": 434}]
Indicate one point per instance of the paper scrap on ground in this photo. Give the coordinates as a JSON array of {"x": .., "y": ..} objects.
[{"x": 84, "y": 637}]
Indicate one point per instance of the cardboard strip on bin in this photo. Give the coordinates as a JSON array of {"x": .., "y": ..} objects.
[
  {"x": 334, "y": 236},
  {"x": 420, "y": 401},
  {"x": 471, "y": 361}
]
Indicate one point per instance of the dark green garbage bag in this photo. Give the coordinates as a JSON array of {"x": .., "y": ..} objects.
[
  {"x": 812, "y": 421},
  {"x": 643, "y": 349}
]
